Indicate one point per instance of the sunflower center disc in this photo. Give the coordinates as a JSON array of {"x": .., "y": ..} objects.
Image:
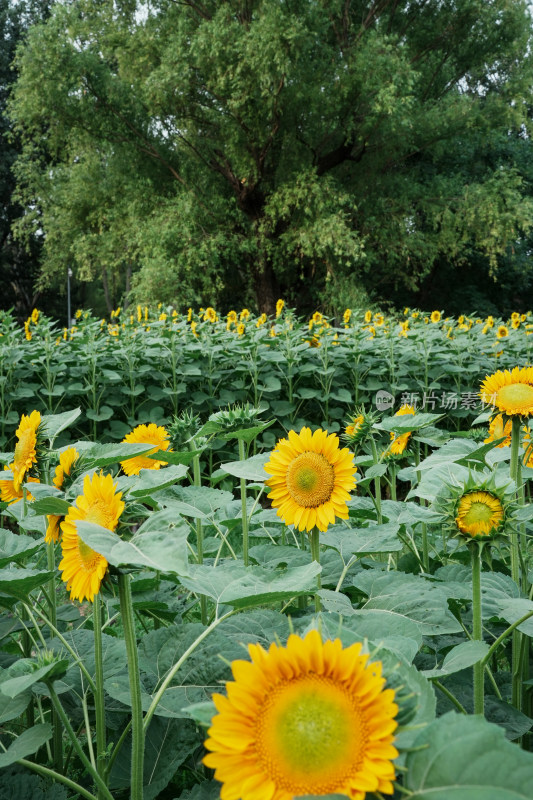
[
  {"x": 310, "y": 479},
  {"x": 479, "y": 512},
  {"x": 310, "y": 735},
  {"x": 515, "y": 396}
]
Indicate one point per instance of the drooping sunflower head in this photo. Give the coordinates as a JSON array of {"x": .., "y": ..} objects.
[
  {"x": 27, "y": 447},
  {"x": 359, "y": 427},
  {"x": 82, "y": 567},
  {"x": 398, "y": 441},
  {"x": 311, "y": 479},
  {"x": 510, "y": 391},
  {"x": 311, "y": 718},
  {"x": 8, "y": 493},
  {"x": 280, "y": 305},
  {"x": 479, "y": 505},
  {"x": 145, "y": 434},
  {"x": 65, "y": 468},
  {"x": 498, "y": 429}
]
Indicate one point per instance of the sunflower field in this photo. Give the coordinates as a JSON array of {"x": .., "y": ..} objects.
[{"x": 257, "y": 558}]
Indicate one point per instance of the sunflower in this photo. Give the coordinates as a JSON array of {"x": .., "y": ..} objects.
[
  {"x": 311, "y": 479},
  {"x": 26, "y": 447},
  {"x": 497, "y": 430},
  {"x": 84, "y": 569},
  {"x": 346, "y": 317},
  {"x": 511, "y": 391},
  {"x": 435, "y": 316},
  {"x": 280, "y": 305},
  {"x": 311, "y": 718},
  {"x": 479, "y": 514},
  {"x": 145, "y": 434},
  {"x": 399, "y": 442},
  {"x": 210, "y": 315},
  {"x": 502, "y": 332},
  {"x": 8, "y": 493},
  {"x": 368, "y": 316},
  {"x": 352, "y": 429}
]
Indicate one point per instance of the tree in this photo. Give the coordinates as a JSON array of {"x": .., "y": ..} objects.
[{"x": 275, "y": 146}]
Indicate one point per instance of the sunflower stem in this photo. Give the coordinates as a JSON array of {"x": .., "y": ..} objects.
[
  {"x": 56, "y": 776},
  {"x": 137, "y": 747},
  {"x": 197, "y": 479},
  {"x": 77, "y": 746},
  {"x": 314, "y": 537},
  {"x": 515, "y": 572},
  {"x": 377, "y": 481},
  {"x": 477, "y": 627},
  {"x": 99, "y": 702},
  {"x": 245, "y": 557},
  {"x": 424, "y": 527}
]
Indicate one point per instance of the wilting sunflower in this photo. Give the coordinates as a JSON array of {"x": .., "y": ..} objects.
[
  {"x": 145, "y": 434},
  {"x": 26, "y": 447},
  {"x": 310, "y": 718},
  {"x": 84, "y": 569},
  {"x": 8, "y": 493},
  {"x": 311, "y": 479},
  {"x": 510, "y": 391},
  {"x": 479, "y": 514},
  {"x": 399, "y": 441}
]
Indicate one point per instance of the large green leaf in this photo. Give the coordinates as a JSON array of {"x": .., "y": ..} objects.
[
  {"x": 15, "y": 547},
  {"x": 460, "y": 757},
  {"x": 463, "y": 655},
  {"x": 20, "y": 582},
  {"x": 26, "y": 744},
  {"x": 374, "y": 539},
  {"x": 164, "y": 551},
  {"x": 252, "y": 469},
  {"x": 240, "y": 587},
  {"x": 53, "y": 424},
  {"x": 411, "y": 596}
]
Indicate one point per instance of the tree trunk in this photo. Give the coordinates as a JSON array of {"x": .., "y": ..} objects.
[
  {"x": 105, "y": 284},
  {"x": 265, "y": 286}
]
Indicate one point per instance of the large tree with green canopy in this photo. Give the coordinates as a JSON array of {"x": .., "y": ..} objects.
[{"x": 210, "y": 149}]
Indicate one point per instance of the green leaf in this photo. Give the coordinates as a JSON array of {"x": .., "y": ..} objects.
[
  {"x": 408, "y": 422},
  {"x": 20, "y": 582},
  {"x": 196, "y": 501},
  {"x": 164, "y": 551},
  {"x": 15, "y": 686},
  {"x": 15, "y": 546},
  {"x": 252, "y": 469},
  {"x": 50, "y": 505},
  {"x": 241, "y": 587},
  {"x": 463, "y": 655},
  {"x": 103, "y": 455},
  {"x": 374, "y": 539},
  {"x": 55, "y": 423},
  {"x": 461, "y": 757},
  {"x": 26, "y": 744},
  {"x": 153, "y": 480},
  {"x": 411, "y": 596},
  {"x": 513, "y": 610}
]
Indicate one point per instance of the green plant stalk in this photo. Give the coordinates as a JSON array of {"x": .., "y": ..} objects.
[
  {"x": 99, "y": 699},
  {"x": 314, "y": 538},
  {"x": 477, "y": 627},
  {"x": 516, "y": 671},
  {"x": 245, "y": 536},
  {"x": 197, "y": 481},
  {"x": 451, "y": 697},
  {"x": 77, "y": 746},
  {"x": 56, "y": 776},
  {"x": 424, "y": 527},
  {"x": 174, "y": 669},
  {"x": 137, "y": 747},
  {"x": 377, "y": 481}
]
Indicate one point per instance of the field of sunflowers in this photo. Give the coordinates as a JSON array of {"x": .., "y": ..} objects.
[{"x": 262, "y": 558}]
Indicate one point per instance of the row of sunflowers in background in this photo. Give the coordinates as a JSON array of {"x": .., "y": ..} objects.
[
  {"x": 323, "y": 616},
  {"x": 300, "y": 372}
]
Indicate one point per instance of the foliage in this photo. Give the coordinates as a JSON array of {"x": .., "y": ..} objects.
[{"x": 213, "y": 149}]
